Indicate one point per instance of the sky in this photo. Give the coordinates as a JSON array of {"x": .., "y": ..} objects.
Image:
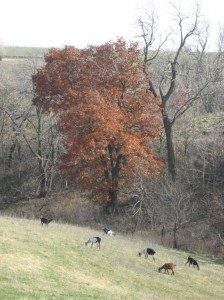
[{"x": 56, "y": 23}]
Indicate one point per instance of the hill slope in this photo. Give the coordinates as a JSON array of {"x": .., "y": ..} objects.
[
  {"x": 39, "y": 262},
  {"x": 23, "y": 51}
]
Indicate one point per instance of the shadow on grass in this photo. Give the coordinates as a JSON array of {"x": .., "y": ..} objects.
[
  {"x": 203, "y": 258},
  {"x": 210, "y": 259},
  {"x": 215, "y": 260}
]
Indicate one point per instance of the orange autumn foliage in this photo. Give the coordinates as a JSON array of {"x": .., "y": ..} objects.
[{"x": 108, "y": 118}]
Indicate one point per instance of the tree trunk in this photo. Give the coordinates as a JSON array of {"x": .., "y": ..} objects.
[
  {"x": 111, "y": 206},
  {"x": 43, "y": 179},
  {"x": 43, "y": 192},
  {"x": 12, "y": 149},
  {"x": 170, "y": 147},
  {"x": 175, "y": 228},
  {"x": 112, "y": 176}
]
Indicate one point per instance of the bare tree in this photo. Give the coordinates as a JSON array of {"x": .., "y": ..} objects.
[
  {"x": 177, "y": 207},
  {"x": 170, "y": 78},
  {"x": 26, "y": 132},
  {"x": 165, "y": 204},
  {"x": 6, "y": 91}
]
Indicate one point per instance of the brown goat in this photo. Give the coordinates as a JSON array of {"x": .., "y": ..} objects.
[
  {"x": 45, "y": 221},
  {"x": 166, "y": 267}
]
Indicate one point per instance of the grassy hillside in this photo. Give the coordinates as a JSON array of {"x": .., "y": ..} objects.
[{"x": 54, "y": 263}]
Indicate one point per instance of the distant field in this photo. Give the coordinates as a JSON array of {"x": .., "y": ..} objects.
[
  {"x": 23, "y": 51},
  {"x": 39, "y": 262}
]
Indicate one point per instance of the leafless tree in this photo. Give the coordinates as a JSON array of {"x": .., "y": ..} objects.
[
  {"x": 144, "y": 198},
  {"x": 28, "y": 129},
  {"x": 177, "y": 207},
  {"x": 170, "y": 77},
  {"x": 164, "y": 203}
]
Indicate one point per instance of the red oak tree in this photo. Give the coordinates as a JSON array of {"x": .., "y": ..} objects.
[{"x": 106, "y": 113}]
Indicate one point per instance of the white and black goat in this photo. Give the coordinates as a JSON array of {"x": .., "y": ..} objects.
[
  {"x": 147, "y": 252},
  {"x": 94, "y": 240},
  {"x": 109, "y": 232}
]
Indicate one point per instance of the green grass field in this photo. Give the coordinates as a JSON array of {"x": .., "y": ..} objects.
[{"x": 39, "y": 262}]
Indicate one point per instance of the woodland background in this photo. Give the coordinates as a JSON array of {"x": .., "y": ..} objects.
[{"x": 182, "y": 210}]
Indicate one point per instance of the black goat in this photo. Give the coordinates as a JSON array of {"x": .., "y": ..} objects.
[
  {"x": 45, "y": 221},
  {"x": 147, "y": 251},
  {"x": 192, "y": 261},
  {"x": 94, "y": 240}
]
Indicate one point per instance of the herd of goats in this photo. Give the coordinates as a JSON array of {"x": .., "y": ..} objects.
[{"x": 147, "y": 251}]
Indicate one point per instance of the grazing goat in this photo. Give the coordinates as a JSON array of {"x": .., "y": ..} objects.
[
  {"x": 192, "y": 261},
  {"x": 109, "y": 232},
  {"x": 94, "y": 240},
  {"x": 166, "y": 267},
  {"x": 147, "y": 251},
  {"x": 45, "y": 221}
]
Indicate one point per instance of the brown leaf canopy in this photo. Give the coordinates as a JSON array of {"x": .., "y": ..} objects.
[{"x": 105, "y": 112}]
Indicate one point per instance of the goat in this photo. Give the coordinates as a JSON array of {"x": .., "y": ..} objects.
[
  {"x": 147, "y": 251},
  {"x": 94, "y": 240},
  {"x": 109, "y": 232},
  {"x": 166, "y": 267},
  {"x": 45, "y": 221},
  {"x": 192, "y": 261}
]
